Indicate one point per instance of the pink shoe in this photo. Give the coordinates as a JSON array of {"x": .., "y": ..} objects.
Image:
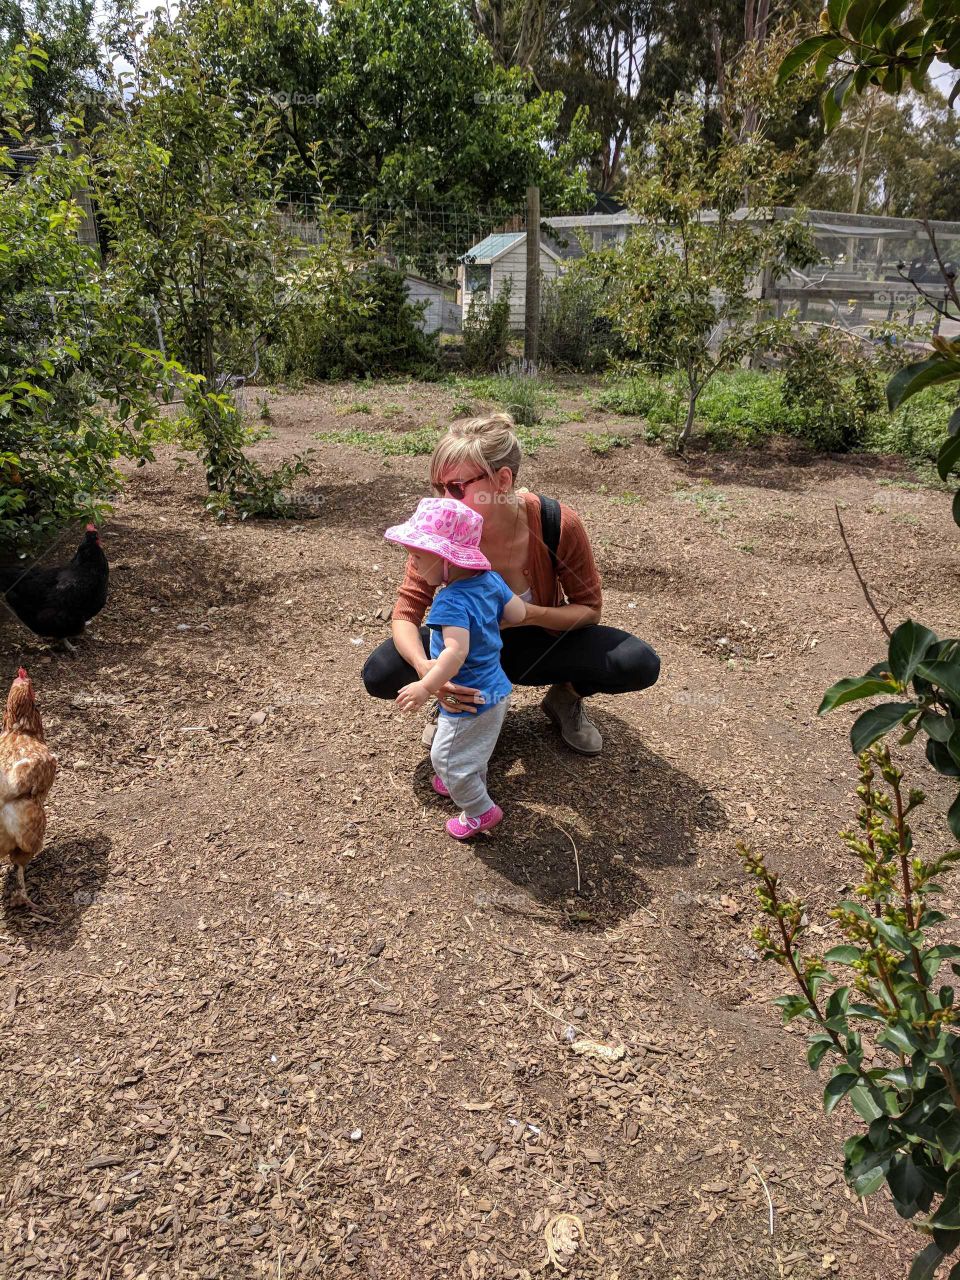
[
  {"x": 438, "y": 786},
  {"x": 463, "y": 828}
]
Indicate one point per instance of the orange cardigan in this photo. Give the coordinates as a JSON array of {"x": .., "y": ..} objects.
[{"x": 575, "y": 582}]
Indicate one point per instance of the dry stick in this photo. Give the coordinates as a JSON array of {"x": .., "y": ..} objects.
[
  {"x": 576, "y": 857},
  {"x": 766, "y": 1192},
  {"x": 881, "y": 617}
]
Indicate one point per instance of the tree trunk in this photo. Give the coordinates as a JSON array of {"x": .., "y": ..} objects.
[{"x": 691, "y": 410}]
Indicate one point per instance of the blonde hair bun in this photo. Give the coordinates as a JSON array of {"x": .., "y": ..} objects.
[{"x": 488, "y": 442}]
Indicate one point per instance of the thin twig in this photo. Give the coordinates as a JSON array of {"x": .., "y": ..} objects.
[
  {"x": 950, "y": 282},
  {"x": 881, "y": 617},
  {"x": 576, "y": 857},
  {"x": 766, "y": 1192}
]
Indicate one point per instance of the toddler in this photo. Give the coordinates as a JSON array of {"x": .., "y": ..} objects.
[{"x": 443, "y": 537}]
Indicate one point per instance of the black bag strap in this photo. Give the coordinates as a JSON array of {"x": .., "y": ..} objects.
[{"x": 550, "y": 526}]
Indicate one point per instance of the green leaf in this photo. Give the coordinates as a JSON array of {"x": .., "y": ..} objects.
[
  {"x": 937, "y": 727},
  {"x": 792, "y": 1007},
  {"x": 914, "y": 377},
  {"x": 858, "y": 15},
  {"x": 941, "y": 759},
  {"x": 910, "y": 1191},
  {"x": 892, "y": 936},
  {"x": 864, "y": 1103},
  {"x": 948, "y": 1139},
  {"x": 908, "y": 644},
  {"x": 948, "y": 1214},
  {"x": 953, "y": 426},
  {"x": 867, "y": 1011},
  {"x": 838, "y": 1086},
  {"x": 826, "y": 56},
  {"x": 944, "y": 674},
  {"x": 853, "y": 687},
  {"x": 881, "y": 19},
  {"x": 873, "y": 724},
  {"x": 842, "y": 955},
  {"x": 948, "y": 458},
  {"x": 953, "y": 818},
  {"x": 925, "y": 1264},
  {"x": 831, "y": 112},
  {"x": 803, "y": 52},
  {"x": 898, "y": 1038},
  {"x": 836, "y": 12},
  {"x": 819, "y": 1046}
]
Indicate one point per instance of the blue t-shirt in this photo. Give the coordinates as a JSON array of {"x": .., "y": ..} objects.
[{"x": 477, "y": 605}]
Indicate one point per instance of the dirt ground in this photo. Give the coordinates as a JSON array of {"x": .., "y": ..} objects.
[{"x": 283, "y": 1026}]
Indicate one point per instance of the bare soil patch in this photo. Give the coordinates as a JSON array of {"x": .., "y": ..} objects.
[{"x": 284, "y": 1027}]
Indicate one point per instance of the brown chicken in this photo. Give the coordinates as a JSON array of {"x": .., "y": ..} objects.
[{"x": 27, "y": 770}]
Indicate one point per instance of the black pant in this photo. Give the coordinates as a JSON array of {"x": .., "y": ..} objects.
[{"x": 594, "y": 659}]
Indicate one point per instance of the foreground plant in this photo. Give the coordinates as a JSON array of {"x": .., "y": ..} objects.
[
  {"x": 887, "y": 1033},
  {"x": 922, "y": 673}
]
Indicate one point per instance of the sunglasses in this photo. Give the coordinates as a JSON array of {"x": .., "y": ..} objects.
[{"x": 457, "y": 488}]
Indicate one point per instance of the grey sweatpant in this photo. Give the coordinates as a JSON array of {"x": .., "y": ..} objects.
[{"x": 462, "y": 746}]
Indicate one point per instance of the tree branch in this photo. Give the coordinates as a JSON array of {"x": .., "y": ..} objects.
[{"x": 881, "y": 617}]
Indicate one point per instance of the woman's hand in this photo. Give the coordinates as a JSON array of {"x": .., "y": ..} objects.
[
  {"x": 413, "y": 696},
  {"x": 458, "y": 697}
]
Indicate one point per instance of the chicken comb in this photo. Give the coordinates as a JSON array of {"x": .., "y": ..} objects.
[
  {"x": 22, "y": 674},
  {"x": 91, "y": 527}
]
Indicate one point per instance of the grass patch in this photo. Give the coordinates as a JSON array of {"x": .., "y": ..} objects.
[
  {"x": 603, "y": 442},
  {"x": 422, "y": 441},
  {"x": 747, "y": 406},
  {"x": 527, "y": 399},
  {"x": 358, "y": 406},
  {"x": 709, "y": 501}
]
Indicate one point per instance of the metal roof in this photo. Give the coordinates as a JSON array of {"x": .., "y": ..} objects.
[
  {"x": 495, "y": 246},
  {"x": 492, "y": 246}
]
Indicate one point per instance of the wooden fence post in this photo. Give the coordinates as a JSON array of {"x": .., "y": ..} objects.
[{"x": 532, "y": 297}]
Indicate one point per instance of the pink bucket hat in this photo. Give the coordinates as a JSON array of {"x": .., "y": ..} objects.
[{"x": 446, "y": 528}]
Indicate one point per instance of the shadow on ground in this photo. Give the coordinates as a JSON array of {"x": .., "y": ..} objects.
[
  {"x": 64, "y": 880},
  {"x": 581, "y": 836},
  {"x": 787, "y": 466}
]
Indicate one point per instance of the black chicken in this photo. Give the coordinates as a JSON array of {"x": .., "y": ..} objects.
[{"x": 57, "y": 603}]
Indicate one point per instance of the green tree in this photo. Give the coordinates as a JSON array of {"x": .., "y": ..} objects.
[
  {"x": 393, "y": 103},
  {"x": 683, "y": 287},
  {"x": 186, "y": 188},
  {"x": 898, "y": 157},
  {"x": 74, "y": 392},
  {"x": 70, "y": 74}
]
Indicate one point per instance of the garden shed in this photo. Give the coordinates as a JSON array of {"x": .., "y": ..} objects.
[
  {"x": 500, "y": 257},
  {"x": 441, "y": 314}
]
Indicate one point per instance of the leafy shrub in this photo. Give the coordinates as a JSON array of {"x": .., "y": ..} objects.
[
  {"x": 67, "y": 341},
  {"x": 642, "y": 395},
  {"x": 744, "y": 406},
  {"x": 486, "y": 331},
  {"x": 878, "y": 1015},
  {"x": 575, "y": 331},
  {"x": 833, "y": 387},
  {"x": 236, "y": 484},
  {"x": 518, "y": 390},
  {"x": 915, "y": 430},
  {"x": 375, "y": 331}
]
